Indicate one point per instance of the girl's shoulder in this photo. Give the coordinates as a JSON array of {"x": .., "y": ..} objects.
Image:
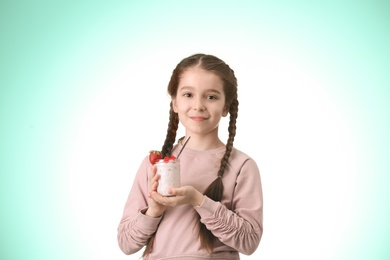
[
  {"x": 239, "y": 160},
  {"x": 239, "y": 154}
]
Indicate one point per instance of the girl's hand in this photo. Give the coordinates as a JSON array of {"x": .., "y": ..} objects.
[
  {"x": 180, "y": 196},
  {"x": 155, "y": 209}
]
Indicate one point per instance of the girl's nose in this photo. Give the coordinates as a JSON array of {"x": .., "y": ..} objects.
[{"x": 198, "y": 105}]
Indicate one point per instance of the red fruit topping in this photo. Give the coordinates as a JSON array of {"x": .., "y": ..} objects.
[
  {"x": 154, "y": 156},
  {"x": 167, "y": 158}
]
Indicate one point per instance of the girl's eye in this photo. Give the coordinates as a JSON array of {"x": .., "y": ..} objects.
[
  {"x": 212, "y": 97},
  {"x": 187, "y": 95}
]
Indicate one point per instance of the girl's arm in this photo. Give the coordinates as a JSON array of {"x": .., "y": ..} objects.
[
  {"x": 135, "y": 228},
  {"x": 242, "y": 227}
]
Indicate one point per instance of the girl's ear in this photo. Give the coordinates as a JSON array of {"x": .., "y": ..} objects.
[
  {"x": 225, "y": 111},
  {"x": 174, "y": 106}
]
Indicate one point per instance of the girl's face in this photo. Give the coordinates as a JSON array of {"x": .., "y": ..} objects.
[{"x": 200, "y": 101}]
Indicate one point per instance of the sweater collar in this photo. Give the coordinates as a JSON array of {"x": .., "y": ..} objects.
[{"x": 188, "y": 151}]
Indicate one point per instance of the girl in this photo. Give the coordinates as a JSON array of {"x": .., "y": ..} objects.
[{"x": 217, "y": 213}]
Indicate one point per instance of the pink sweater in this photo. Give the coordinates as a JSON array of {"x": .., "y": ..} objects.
[{"x": 237, "y": 221}]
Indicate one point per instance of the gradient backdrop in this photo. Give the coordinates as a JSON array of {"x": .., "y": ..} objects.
[{"x": 83, "y": 100}]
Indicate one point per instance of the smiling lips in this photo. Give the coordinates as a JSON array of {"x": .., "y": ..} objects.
[{"x": 198, "y": 118}]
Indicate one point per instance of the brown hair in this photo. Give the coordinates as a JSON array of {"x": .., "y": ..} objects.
[{"x": 215, "y": 190}]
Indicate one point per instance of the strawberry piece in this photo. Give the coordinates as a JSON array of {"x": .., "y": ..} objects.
[
  {"x": 169, "y": 158},
  {"x": 154, "y": 156}
]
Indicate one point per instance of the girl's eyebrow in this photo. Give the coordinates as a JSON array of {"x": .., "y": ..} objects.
[
  {"x": 207, "y": 90},
  {"x": 186, "y": 88}
]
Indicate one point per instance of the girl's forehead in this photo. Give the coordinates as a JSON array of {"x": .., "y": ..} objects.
[{"x": 195, "y": 75}]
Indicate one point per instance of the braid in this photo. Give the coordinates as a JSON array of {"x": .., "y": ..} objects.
[
  {"x": 232, "y": 133},
  {"x": 165, "y": 151},
  {"x": 173, "y": 124},
  {"x": 215, "y": 190}
]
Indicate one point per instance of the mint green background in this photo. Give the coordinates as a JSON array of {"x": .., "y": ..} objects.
[{"x": 51, "y": 52}]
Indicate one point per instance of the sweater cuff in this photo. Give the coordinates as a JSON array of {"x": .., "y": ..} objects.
[
  {"x": 146, "y": 222},
  {"x": 208, "y": 207}
]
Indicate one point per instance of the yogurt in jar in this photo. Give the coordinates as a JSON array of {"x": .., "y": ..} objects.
[{"x": 169, "y": 176}]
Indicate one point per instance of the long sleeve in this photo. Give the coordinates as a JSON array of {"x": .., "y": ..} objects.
[
  {"x": 135, "y": 228},
  {"x": 241, "y": 227},
  {"x": 236, "y": 221}
]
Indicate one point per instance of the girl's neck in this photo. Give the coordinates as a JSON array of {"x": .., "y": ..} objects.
[{"x": 202, "y": 143}]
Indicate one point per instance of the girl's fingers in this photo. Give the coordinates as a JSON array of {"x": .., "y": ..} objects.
[
  {"x": 153, "y": 177},
  {"x": 154, "y": 171},
  {"x": 154, "y": 186}
]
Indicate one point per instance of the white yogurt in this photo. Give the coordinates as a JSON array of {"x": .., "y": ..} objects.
[{"x": 169, "y": 176}]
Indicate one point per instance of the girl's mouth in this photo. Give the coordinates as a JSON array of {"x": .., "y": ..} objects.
[{"x": 198, "y": 118}]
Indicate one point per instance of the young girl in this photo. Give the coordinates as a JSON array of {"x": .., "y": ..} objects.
[{"x": 217, "y": 213}]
